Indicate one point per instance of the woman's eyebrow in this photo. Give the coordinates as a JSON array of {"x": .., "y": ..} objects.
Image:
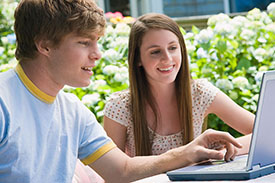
[{"x": 156, "y": 46}]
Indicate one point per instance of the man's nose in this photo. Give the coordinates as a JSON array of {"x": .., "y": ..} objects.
[{"x": 95, "y": 53}]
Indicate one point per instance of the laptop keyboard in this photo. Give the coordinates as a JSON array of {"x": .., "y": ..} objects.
[{"x": 237, "y": 164}]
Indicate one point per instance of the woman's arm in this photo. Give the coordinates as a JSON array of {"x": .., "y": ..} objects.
[
  {"x": 231, "y": 113},
  {"x": 116, "y": 132},
  {"x": 235, "y": 116}
]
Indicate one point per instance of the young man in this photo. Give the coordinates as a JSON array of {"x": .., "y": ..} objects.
[{"x": 44, "y": 130}]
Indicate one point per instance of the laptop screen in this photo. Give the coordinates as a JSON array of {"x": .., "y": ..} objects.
[{"x": 263, "y": 148}]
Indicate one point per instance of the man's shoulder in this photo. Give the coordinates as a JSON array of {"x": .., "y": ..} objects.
[
  {"x": 71, "y": 102},
  {"x": 70, "y": 97},
  {"x": 7, "y": 80},
  {"x": 7, "y": 76}
]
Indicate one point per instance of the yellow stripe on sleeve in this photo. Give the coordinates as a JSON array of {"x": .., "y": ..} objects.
[{"x": 98, "y": 153}]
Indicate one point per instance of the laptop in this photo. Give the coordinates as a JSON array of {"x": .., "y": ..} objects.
[{"x": 260, "y": 160}]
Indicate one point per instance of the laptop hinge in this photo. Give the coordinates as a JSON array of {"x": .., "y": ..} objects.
[{"x": 256, "y": 167}]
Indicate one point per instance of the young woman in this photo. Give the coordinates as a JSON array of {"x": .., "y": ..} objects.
[{"x": 164, "y": 107}]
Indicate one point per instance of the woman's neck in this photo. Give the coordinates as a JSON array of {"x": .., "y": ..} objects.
[
  {"x": 164, "y": 94},
  {"x": 168, "y": 119}
]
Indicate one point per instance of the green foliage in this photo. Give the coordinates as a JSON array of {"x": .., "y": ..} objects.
[
  {"x": 231, "y": 53},
  {"x": 7, "y": 37}
]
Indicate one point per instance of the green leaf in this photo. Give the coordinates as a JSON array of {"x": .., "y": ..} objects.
[
  {"x": 221, "y": 46},
  {"x": 195, "y": 30},
  {"x": 243, "y": 63}
]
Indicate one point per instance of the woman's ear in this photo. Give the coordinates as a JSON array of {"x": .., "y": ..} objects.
[{"x": 43, "y": 47}]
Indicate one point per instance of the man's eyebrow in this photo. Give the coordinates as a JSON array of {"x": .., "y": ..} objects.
[{"x": 90, "y": 36}]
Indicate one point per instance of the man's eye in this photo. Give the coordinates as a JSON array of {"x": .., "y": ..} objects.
[{"x": 85, "y": 43}]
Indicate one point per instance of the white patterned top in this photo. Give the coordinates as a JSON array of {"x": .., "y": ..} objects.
[{"x": 118, "y": 109}]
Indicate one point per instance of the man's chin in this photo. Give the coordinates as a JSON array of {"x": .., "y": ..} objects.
[{"x": 82, "y": 85}]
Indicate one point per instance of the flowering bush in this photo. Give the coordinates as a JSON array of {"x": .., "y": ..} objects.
[
  {"x": 232, "y": 53},
  {"x": 117, "y": 17},
  {"x": 7, "y": 37}
]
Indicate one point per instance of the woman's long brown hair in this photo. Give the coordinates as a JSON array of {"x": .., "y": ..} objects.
[{"x": 140, "y": 92}]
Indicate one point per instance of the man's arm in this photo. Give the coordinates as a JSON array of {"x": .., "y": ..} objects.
[{"x": 115, "y": 166}]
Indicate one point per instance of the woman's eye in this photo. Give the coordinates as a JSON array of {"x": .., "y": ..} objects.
[
  {"x": 173, "y": 48},
  {"x": 155, "y": 52}
]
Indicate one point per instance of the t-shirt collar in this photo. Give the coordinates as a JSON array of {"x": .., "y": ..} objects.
[{"x": 31, "y": 86}]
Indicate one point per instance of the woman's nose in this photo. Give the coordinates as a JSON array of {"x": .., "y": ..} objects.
[{"x": 166, "y": 56}]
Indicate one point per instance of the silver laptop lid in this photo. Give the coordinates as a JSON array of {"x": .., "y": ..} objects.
[{"x": 262, "y": 148}]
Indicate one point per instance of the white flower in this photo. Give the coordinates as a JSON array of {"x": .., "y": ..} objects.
[
  {"x": 98, "y": 83},
  {"x": 262, "y": 39},
  {"x": 213, "y": 55},
  {"x": 255, "y": 97},
  {"x": 124, "y": 70},
  {"x": 201, "y": 53},
  {"x": 4, "y": 40},
  {"x": 119, "y": 41},
  {"x": 111, "y": 55},
  {"x": 224, "y": 84},
  {"x": 8, "y": 10},
  {"x": 254, "y": 14},
  {"x": 122, "y": 29},
  {"x": 2, "y": 50},
  {"x": 193, "y": 66},
  {"x": 11, "y": 52},
  {"x": 240, "y": 82},
  {"x": 120, "y": 44},
  {"x": 12, "y": 64},
  {"x": 11, "y": 38},
  {"x": 258, "y": 77},
  {"x": 257, "y": 15},
  {"x": 90, "y": 99},
  {"x": 189, "y": 46},
  {"x": 110, "y": 29},
  {"x": 247, "y": 34},
  {"x": 271, "y": 8},
  {"x": 260, "y": 54},
  {"x": 188, "y": 35},
  {"x": 68, "y": 88},
  {"x": 122, "y": 75},
  {"x": 265, "y": 18},
  {"x": 270, "y": 27},
  {"x": 213, "y": 20},
  {"x": 239, "y": 21},
  {"x": 204, "y": 36},
  {"x": 110, "y": 69},
  {"x": 224, "y": 28}
]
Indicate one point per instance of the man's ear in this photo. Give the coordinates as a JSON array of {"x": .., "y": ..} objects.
[{"x": 43, "y": 47}]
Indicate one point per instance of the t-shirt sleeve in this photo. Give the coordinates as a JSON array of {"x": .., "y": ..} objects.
[
  {"x": 94, "y": 142},
  {"x": 117, "y": 108},
  {"x": 205, "y": 93},
  {"x": 4, "y": 122}
]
